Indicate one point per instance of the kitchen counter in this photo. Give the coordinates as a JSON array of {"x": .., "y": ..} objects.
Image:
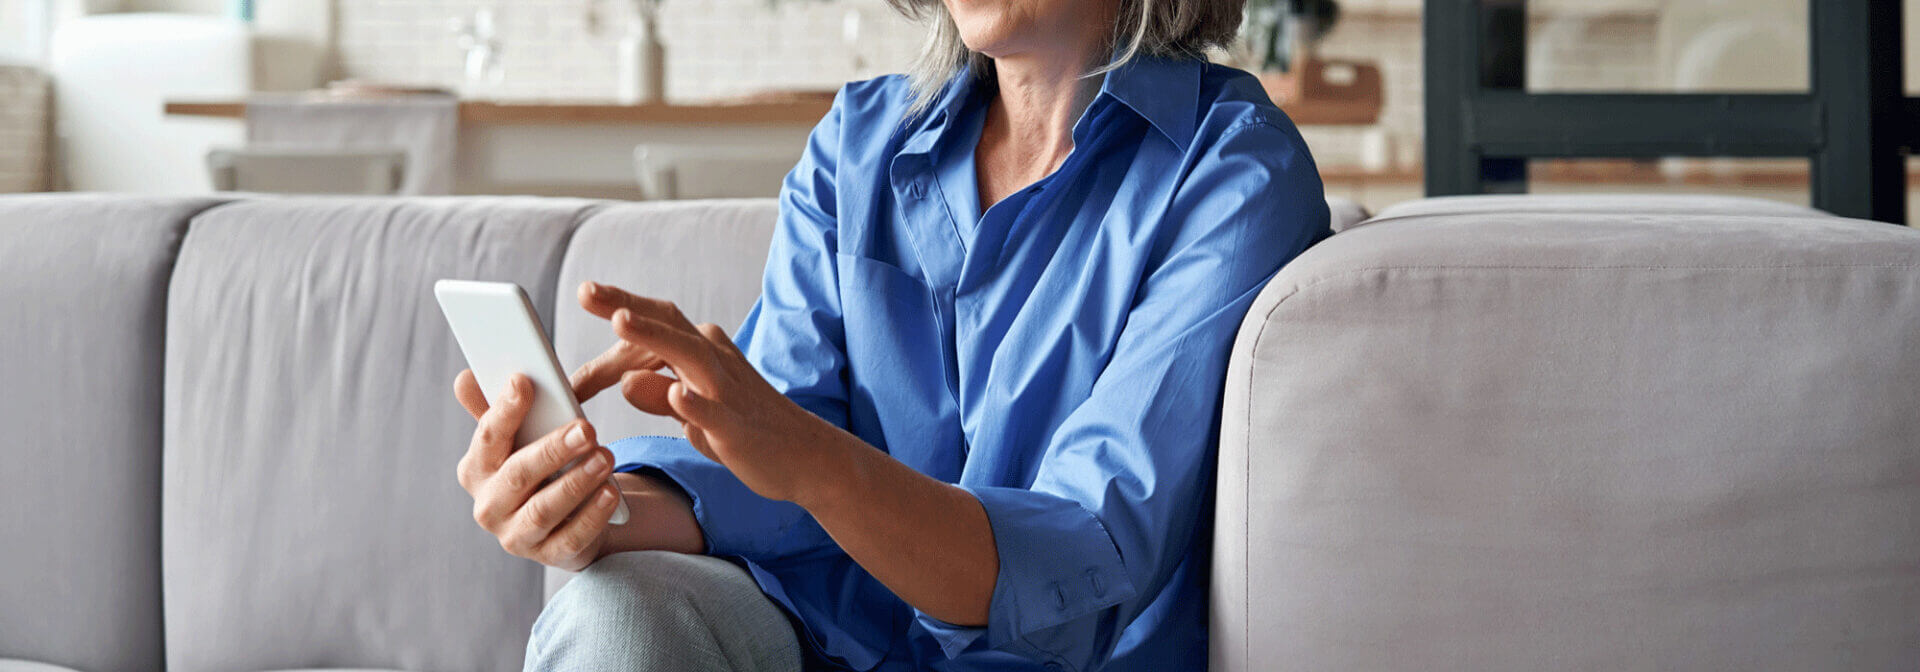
[
  {"x": 586, "y": 148},
  {"x": 797, "y": 110}
]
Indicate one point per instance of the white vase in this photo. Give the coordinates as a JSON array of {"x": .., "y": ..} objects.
[{"x": 643, "y": 64}]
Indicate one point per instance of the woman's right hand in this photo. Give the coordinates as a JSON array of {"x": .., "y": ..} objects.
[{"x": 562, "y": 523}]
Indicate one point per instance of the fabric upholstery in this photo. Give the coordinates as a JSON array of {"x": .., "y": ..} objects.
[
  {"x": 83, "y": 296},
  {"x": 311, "y": 514},
  {"x": 1344, "y": 214},
  {"x": 1644, "y": 204},
  {"x": 30, "y": 666},
  {"x": 1577, "y": 441}
]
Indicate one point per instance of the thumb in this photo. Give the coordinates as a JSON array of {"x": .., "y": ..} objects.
[
  {"x": 647, "y": 391},
  {"x": 692, "y": 407}
]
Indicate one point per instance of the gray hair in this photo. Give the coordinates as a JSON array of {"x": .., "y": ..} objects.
[{"x": 1163, "y": 28}]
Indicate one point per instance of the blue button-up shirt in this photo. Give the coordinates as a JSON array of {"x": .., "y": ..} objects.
[{"x": 1060, "y": 356}]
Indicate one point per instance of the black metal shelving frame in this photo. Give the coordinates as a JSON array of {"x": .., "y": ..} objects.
[{"x": 1855, "y": 123}]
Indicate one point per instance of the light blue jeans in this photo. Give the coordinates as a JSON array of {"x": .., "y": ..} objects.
[{"x": 654, "y": 610}]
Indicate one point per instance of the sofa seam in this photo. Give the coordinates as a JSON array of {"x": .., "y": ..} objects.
[
  {"x": 187, "y": 227},
  {"x": 575, "y": 222},
  {"x": 1812, "y": 215},
  {"x": 1267, "y": 318}
]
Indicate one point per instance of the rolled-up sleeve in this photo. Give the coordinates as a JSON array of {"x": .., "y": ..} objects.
[
  {"x": 1117, "y": 500},
  {"x": 794, "y": 338}
]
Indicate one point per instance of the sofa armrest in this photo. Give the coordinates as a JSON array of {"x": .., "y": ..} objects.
[{"x": 1548, "y": 441}]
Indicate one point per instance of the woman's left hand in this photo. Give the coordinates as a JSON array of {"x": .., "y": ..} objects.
[{"x": 729, "y": 411}]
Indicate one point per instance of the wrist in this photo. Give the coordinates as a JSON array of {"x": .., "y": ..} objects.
[
  {"x": 837, "y": 471},
  {"x": 663, "y": 518}
]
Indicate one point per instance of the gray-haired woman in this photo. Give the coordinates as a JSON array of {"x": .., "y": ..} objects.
[{"x": 969, "y": 424}]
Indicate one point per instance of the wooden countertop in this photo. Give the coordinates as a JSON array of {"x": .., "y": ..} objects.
[{"x": 806, "y": 111}]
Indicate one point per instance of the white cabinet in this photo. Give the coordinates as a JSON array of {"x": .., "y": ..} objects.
[{"x": 112, "y": 74}]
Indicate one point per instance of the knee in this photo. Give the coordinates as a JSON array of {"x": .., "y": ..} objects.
[
  {"x": 649, "y": 611},
  {"x": 636, "y": 589}
]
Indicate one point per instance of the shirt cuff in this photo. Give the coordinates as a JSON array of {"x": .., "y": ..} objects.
[
  {"x": 1057, "y": 564},
  {"x": 734, "y": 519},
  {"x": 953, "y": 639}
]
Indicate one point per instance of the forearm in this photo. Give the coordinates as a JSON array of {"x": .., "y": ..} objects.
[
  {"x": 929, "y": 542},
  {"x": 662, "y": 519}
]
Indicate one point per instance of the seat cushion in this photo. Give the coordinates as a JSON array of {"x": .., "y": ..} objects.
[
  {"x": 83, "y": 284},
  {"x": 30, "y": 666},
  {"x": 1597, "y": 204},
  {"x": 311, "y": 515},
  {"x": 1577, "y": 441}
]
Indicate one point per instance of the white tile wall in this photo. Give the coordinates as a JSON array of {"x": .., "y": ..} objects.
[
  {"x": 715, "y": 48},
  {"x": 23, "y": 129}
]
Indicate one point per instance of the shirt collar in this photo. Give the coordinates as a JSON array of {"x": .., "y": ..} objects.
[
  {"x": 1163, "y": 91},
  {"x": 926, "y": 127}
]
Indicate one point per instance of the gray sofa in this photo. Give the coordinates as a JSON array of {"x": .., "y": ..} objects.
[{"x": 1485, "y": 433}]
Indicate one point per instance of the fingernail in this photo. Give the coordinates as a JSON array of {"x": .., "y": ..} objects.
[
  {"x": 606, "y": 497},
  {"x": 577, "y": 437},
  {"x": 597, "y": 463},
  {"x": 593, "y": 287}
]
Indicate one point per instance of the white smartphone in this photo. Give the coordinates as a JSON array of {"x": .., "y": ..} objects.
[{"x": 500, "y": 334}]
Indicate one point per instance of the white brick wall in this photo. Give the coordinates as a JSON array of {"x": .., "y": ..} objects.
[{"x": 714, "y": 47}]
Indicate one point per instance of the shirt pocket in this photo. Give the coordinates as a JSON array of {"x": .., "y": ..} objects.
[{"x": 897, "y": 389}]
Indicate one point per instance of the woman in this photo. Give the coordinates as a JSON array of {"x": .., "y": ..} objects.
[{"x": 969, "y": 424}]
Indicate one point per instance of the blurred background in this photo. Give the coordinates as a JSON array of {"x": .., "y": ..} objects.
[{"x": 609, "y": 98}]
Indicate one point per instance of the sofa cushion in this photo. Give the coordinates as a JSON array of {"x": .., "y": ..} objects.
[
  {"x": 1344, "y": 214},
  {"x": 1640, "y": 204},
  {"x": 83, "y": 285},
  {"x": 30, "y": 666},
  {"x": 311, "y": 514},
  {"x": 1577, "y": 441}
]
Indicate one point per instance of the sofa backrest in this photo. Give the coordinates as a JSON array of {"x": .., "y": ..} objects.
[
  {"x": 1565, "y": 440},
  {"x": 311, "y": 515},
  {"x": 83, "y": 286}
]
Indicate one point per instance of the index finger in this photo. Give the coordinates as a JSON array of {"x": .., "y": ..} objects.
[
  {"x": 685, "y": 350},
  {"x": 606, "y": 300},
  {"x": 607, "y": 369}
]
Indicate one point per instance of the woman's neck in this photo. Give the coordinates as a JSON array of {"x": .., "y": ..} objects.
[
  {"x": 1029, "y": 126},
  {"x": 1038, "y": 100}
]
